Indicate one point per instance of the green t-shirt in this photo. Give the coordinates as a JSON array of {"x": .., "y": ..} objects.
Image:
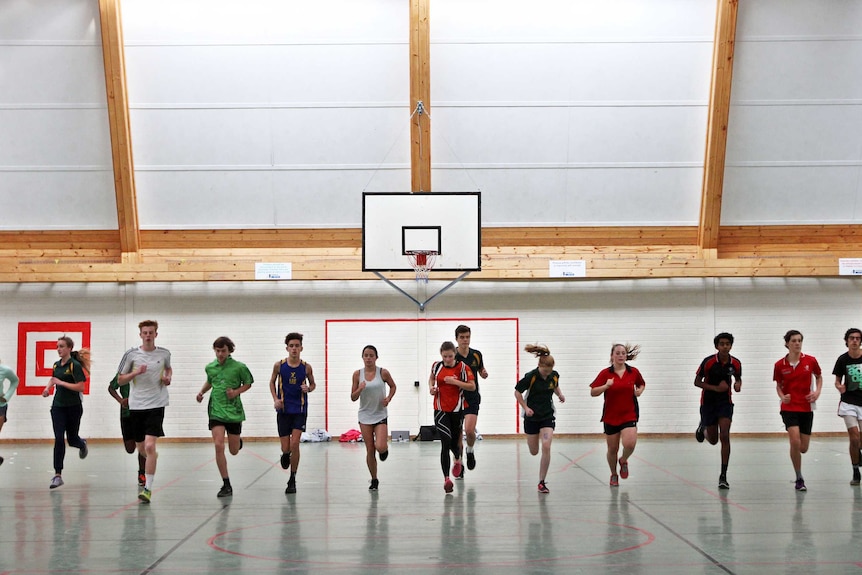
[
  {"x": 72, "y": 372},
  {"x": 540, "y": 394},
  {"x": 124, "y": 393},
  {"x": 231, "y": 375}
]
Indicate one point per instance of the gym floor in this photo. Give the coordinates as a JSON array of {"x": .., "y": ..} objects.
[{"x": 667, "y": 518}]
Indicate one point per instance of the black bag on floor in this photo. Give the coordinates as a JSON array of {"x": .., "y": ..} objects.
[{"x": 427, "y": 433}]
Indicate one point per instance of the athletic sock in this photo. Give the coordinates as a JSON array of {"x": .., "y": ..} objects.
[
  {"x": 724, "y": 469},
  {"x": 150, "y": 478},
  {"x": 469, "y": 449},
  {"x": 226, "y": 481}
]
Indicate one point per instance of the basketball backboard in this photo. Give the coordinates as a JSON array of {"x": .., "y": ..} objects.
[{"x": 396, "y": 223}]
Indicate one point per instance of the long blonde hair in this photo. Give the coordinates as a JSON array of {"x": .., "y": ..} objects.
[{"x": 542, "y": 352}]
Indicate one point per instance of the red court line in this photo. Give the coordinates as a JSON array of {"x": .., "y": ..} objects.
[
  {"x": 573, "y": 462},
  {"x": 691, "y": 484},
  {"x": 168, "y": 484}
]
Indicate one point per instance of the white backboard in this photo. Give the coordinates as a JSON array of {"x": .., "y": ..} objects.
[{"x": 448, "y": 223}]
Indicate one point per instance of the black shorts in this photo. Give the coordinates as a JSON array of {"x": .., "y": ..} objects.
[
  {"x": 804, "y": 420},
  {"x": 126, "y": 428},
  {"x": 287, "y": 422},
  {"x": 232, "y": 427},
  {"x": 614, "y": 429},
  {"x": 3, "y": 412},
  {"x": 147, "y": 422},
  {"x": 471, "y": 409},
  {"x": 534, "y": 427},
  {"x": 711, "y": 413},
  {"x": 384, "y": 421}
]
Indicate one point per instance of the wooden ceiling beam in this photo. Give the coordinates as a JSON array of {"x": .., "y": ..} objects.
[
  {"x": 420, "y": 93},
  {"x": 113, "y": 54},
  {"x": 716, "y": 132}
]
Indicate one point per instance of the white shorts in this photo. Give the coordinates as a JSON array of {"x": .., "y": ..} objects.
[{"x": 852, "y": 414}]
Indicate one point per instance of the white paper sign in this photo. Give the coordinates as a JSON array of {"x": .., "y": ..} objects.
[
  {"x": 850, "y": 266},
  {"x": 273, "y": 271},
  {"x": 567, "y": 268}
]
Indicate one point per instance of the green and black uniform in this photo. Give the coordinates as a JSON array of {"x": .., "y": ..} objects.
[
  {"x": 538, "y": 393},
  {"x": 66, "y": 410},
  {"x": 221, "y": 377}
]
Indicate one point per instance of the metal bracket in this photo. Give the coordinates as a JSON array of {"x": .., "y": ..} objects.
[{"x": 422, "y": 304}]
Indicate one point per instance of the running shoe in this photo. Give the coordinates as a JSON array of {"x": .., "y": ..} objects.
[
  {"x": 543, "y": 488},
  {"x": 375, "y": 483},
  {"x": 225, "y": 491},
  {"x": 142, "y": 479},
  {"x": 698, "y": 434},
  {"x": 291, "y": 486},
  {"x": 722, "y": 483},
  {"x": 145, "y": 495},
  {"x": 615, "y": 480},
  {"x": 471, "y": 461},
  {"x": 285, "y": 460},
  {"x": 624, "y": 469},
  {"x": 856, "y": 477},
  {"x": 84, "y": 450},
  {"x": 56, "y": 482},
  {"x": 384, "y": 455},
  {"x": 1, "y": 461},
  {"x": 448, "y": 486},
  {"x": 800, "y": 485},
  {"x": 458, "y": 470}
]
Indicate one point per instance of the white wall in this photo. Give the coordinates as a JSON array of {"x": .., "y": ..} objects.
[
  {"x": 55, "y": 148},
  {"x": 796, "y": 109},
  {"x": 674, "y": 321}
]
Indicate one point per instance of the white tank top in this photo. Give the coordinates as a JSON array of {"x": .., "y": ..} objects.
[{"x": 371, "y": 408}]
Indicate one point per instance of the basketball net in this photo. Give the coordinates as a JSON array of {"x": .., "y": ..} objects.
[{"x": 422, "y": 262}]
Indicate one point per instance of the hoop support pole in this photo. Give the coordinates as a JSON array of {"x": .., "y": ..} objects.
[{"x": 422, "y": 304}]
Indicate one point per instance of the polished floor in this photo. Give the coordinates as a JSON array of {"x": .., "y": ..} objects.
[{"x": 668, "y": 517}]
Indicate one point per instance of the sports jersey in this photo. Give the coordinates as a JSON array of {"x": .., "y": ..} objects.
[
  {"x": 539, "y": 394},
  {"x": 124, "y": 393},
  {"x": 474, "y": 361},
  {"x": 449, "y": 397},
  {"x": 796, "y": 381},
  {"x": 229, "y": 375},
  {"x": 146, "y": 389},
  {"x": 715, "y": 372},
  {"x": 371, "y": 408},
  {"x": 72, "y": 372},
  {"x": 621, "y": 403},
  {"x": 289, "y": 387},
  {"x": 850, "y": 372}
]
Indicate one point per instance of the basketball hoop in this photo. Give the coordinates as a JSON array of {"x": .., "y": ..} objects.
[{"x": 422, "y": 262}]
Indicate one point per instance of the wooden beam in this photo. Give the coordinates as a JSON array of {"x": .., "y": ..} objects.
[
  {"x": 716, "y": 133},
  {"x": 420, "y": 92},
  {"x": 118, "y": 120}
]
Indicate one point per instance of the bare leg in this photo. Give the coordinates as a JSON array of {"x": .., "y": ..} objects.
[
  {"x": 370, "y": 447},
  {"x": 547, "y": 434},
  {"x": 613, "y": 449},
  {"x": 218, "y": 434}
]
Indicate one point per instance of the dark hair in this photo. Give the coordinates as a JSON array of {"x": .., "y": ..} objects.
[
  {"x": 148, "y": 323},
  {"x": 461, "y": 329},
  {"x": 372, "y": 348},
  {"x": 632, "y": 351},
  {"x": 447, "y": 346},
  {"x": 791, "y": 333},
  {"x": 224, "y": 341},
  {"x": 721, "y": 336},
  {"x": 293, "y": 335},
  {"x": 542, "y": 352},
  {"x": 849, "y": 331}
]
